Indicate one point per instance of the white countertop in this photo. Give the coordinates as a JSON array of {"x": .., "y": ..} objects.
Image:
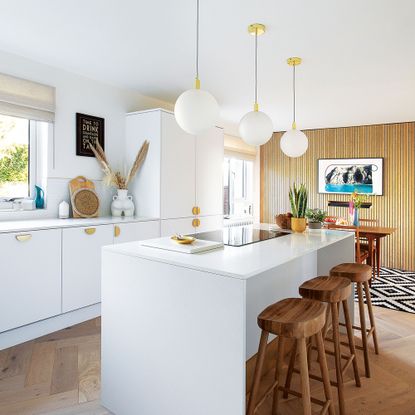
[
  {"x": 38, "y": 224},
  {"x": 239, "y": 262}
]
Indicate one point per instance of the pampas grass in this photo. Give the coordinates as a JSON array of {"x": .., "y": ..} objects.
[{"x": 114, "y": 177}]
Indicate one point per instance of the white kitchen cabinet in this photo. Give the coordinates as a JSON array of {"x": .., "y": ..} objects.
[
  {"x": 209, "y": 172},
  {"x": 178, "y": 182},
  {"x": 183, "y": 226},
  {"x": 30, "y": 277},
  {"x": 139, "y": 231},
  {"x": 81, "y": 265},
  {"x": 145, "y": 187},
  {"x": 181, "y": 171},
  {"x": 210, "y": 223}
]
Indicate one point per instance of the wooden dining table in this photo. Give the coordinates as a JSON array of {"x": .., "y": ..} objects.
[{"x": 374, "y": 235}]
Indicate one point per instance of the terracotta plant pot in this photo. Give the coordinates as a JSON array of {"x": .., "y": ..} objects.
[{"x": 298, "y": 224}]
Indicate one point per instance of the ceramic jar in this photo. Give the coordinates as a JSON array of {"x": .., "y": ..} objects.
[{"x": 122, "y": 204}]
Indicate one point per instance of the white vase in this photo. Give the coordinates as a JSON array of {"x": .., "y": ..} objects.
[{"x": 122, "y": 204}]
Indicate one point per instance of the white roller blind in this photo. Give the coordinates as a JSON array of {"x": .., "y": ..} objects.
[{"x": 23, "y": 98}]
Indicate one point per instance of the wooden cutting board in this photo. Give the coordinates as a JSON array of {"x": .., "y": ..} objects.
[{"x": 84, "y": 199}]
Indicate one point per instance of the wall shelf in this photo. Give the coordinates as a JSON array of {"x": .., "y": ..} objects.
[{"x": 341, "y": 203}]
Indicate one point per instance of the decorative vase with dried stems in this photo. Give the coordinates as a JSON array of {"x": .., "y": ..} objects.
[
  {"x": 298, "y": 201},
  {"x": 122, "y": 203}
]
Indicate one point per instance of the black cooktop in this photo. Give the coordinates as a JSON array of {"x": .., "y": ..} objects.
[{"x": 240, "y": 235}]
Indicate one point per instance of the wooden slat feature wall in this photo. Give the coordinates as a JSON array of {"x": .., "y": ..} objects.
[{"x": 396, "y": 208}]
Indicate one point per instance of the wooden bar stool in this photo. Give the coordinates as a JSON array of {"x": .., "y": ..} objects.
[
  {"x": 334, "y": 291},
  {"x": 299, "y": 319},
  {"x": 361, "y": 274}
]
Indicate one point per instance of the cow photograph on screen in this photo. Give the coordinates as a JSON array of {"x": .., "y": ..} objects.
[{"x": 346, "y": 176}]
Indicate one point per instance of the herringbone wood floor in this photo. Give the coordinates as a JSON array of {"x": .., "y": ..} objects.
[{"x": 59, "y": 374}]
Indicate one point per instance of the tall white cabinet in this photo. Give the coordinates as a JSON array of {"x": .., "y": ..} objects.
[{"x": 181, "y": 181}]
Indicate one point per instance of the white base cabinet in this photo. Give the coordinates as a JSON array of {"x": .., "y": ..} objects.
[
  {"x": 210, "y": 223},
  {"x": 81, "y": 261},
  {"x": 51, "y": 276},
  {"x": 191, "y": 225},
  {"x": 183, "y": 226},
  {"x": 30, "y": 278},
  {"x": 129, "y": 232}
]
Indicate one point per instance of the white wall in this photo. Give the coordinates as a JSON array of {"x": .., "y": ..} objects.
[{"x": 75, "y": 93}]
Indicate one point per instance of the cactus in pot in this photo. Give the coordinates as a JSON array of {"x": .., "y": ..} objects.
[{"x": 298, "y": 201}]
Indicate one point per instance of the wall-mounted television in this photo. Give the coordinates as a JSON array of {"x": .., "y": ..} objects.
[{"x": 345, "y": 176}]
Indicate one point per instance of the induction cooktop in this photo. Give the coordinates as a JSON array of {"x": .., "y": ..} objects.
[{"x": 240, "y": 235}]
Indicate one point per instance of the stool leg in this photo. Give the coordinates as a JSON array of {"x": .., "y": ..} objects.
[
  {"x": 363, "y": 328},
  {"x": 280, "y": 358},
  {"x": 371, "y": 317},
  {"x": 352, "y": 347},
  {"x": 290, "y": 369},
  {"x": 258, "y": 371},
  {"x": 326, "y": 327},
  {"x": 336, "y": 342},
  {"x": 324, "y": 371},
  {"x": 305, "y": 382}
]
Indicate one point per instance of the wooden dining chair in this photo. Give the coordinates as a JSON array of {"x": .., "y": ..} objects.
[
  {"x": 361, "y": 255},
  {"x": 371, "y": 247}
]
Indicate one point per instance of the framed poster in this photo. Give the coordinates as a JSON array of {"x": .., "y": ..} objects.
[
  {"x": 89, "y": 130},
  {"x": 346, "y": 176}
]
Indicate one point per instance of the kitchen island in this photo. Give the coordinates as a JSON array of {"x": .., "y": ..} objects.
[{"x": 177, "y": 329}]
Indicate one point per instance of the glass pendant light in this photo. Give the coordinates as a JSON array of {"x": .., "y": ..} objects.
[
  {"x": 255, "y": 127},
  {"x": 294, "y": 143},
  {"x": 196, "y": 110}
]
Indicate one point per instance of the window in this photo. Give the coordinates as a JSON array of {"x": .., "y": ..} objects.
[
  {"x": 27, "y": 111},
  {"x": 14, "y": 157},
  {"x": 238, "y": 187},
  {"x": 23, "y": 156}
]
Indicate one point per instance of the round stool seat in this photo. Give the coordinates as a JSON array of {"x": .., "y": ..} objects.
[
  {"x": 327, "y": 289},
  {"x": 355, "y": 272},
  {"x": 293, "y": 317}
]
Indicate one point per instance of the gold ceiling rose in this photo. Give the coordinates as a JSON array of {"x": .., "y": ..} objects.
[
  {"x": 256, "y": 29},
  {"x": 294, "y": 61}
]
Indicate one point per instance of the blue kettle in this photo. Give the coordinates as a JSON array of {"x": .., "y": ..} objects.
[{"x": 40, "y": 198}]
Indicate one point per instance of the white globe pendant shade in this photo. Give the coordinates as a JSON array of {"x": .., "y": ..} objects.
[
  {"x": 196, "y": 111},
  {"x": 256, "y": 128},
  {"x": 294, "y": 143}
]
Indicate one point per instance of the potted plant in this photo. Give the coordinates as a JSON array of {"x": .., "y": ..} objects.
[
  {"x": 298, "y": 201},
  {"x": 315, "y": 218}
]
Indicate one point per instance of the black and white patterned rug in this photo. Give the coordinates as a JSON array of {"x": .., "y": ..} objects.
[{"x": 394, "y": 289}]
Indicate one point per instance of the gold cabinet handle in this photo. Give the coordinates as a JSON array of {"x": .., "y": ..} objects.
[
  {"x": 117, "y": 231},
  {"x": 24, "y": 237},
  {"x": 90, "y": 231},
  {"x": 196, "y": 223},
  {"x": 196, "y": 210}
]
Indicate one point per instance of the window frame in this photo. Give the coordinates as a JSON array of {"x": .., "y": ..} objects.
[
  {"x": 34, "y": 147},
  {"x": 244, "y": 185}
]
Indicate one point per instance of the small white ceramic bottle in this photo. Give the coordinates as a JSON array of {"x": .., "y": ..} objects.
[{"x": 63, "y": 210}]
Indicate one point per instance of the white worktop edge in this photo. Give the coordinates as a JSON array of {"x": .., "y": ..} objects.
[
  {"x": 118, "y": 249},
  {"x": 54, "y": 223}
]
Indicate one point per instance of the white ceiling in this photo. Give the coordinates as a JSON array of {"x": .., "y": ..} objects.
[{"x": 358, "y": 55}]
